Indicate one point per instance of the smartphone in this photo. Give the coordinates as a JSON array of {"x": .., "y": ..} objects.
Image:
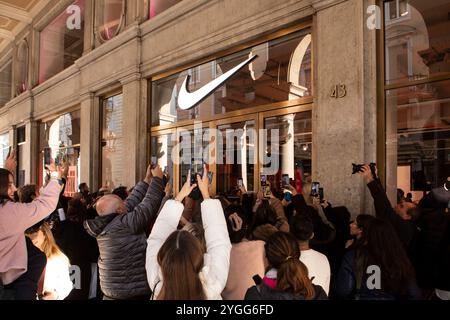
[
  {"x": 315, "y": 189},
  {"x": 183, "y": 180},
  {"x": 47, "y": 156},
  {"x": 240, "y": 182},
  {"x": 263, "y": 180},
  {"x": 321, "y": 194},
  {"x": 285, "y": 180},
  {"x": 9, "y": 151},
  {"x": 266, "y": 191}
]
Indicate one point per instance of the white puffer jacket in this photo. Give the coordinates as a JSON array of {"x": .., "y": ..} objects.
[{"x": 217, "y": 257}]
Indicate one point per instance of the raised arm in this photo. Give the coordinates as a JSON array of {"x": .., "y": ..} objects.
[
  {"x": 218, "y": 245},
  {"x": 138, "y": 219},
  {"x": 282, "y": 222},
  {"x": 165, "y": 224},
  {"x": 383, "y": 207}
]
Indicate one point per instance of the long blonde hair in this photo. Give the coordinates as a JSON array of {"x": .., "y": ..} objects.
[{"x": 49, "y": 246}]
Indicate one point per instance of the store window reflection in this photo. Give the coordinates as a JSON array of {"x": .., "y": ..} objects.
[
  {"x": 417, "y": 39},
  {"x": 60, "y": 138},
  {"x": 61, "y": 42},
  {"x": 193, "y": 151},
  {"x": 161, "y": 153},
  {"x": 158, "y": 6},
  {"x": 418, "y": 138},
  {"x": 110, "y": 17},
  {"x": 281, "y": 72},
  {"x": 4, "y": 148},
  {"x": 236, "y": 156},
  {"x": 21, "y": 72},
  {"x": 291, "y": 151},
  {"x": 113, "y": 165},
  {"x": 5, "y": 83}
]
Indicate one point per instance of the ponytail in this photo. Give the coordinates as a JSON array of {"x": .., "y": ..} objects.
[
  {"x": 283, "y": 254},
  {"x": 292, "y": 276}
]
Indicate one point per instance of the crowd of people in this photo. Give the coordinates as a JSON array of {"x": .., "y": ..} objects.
[{"x": 145, "y": 243}]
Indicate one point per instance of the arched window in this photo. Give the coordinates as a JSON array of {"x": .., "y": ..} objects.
[
  {"x": 110, "y": 18},
  {"x": 21, "y": 72}
]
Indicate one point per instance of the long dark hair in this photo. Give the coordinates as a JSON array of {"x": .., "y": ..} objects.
[
  {"x": 264, "y": 215},
  {"x": 181, "y": 260},
  {"x": 4, "y": 185},
  {"x": 382, "y": 247},
  {"x": 283, "y": 254}
]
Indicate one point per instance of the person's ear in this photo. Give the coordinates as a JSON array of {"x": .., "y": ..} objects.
[{"x": 312, "y": 236}]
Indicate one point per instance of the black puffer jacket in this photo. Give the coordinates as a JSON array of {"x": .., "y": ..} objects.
[
  {"x": 263, "y": 292},
  {"x": 122, "y": 242}
]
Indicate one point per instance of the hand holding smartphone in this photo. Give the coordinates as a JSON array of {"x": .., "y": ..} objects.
[{"x": 315, "y": 189}]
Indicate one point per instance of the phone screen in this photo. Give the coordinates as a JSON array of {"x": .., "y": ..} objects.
[
  {"x": 266, "y": 191},
  {"x": 315, "y": 189},
  {"x": 321, "y": 193},
  {"x": 263, "y": 179},
  {"x": 47, "y": 156},
  {"x": 285, "y": 180}
]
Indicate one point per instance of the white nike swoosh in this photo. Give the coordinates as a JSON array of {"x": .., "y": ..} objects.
[{"x": 187, "y": 100}]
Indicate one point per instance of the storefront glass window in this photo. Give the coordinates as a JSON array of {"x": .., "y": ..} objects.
[
  {"x": 290, "y": 152},
  {"x": 60, "y": 139},
  {"x": 237, "y": 157},
  {"x": 113, "y": 165},
  {"x": 417, "y": 39},
  {"x": 21, "y": 156},
  {"x": 158, "y": 6},
  {"x": 161, "y": 153},
  {"x": 110, "y": 17},
  {"x": 5, "y": 83},
  {"x": 281, "y": 72},
  {"x": 194, "y": 152},
  {"x": 418, "y": 138},
  {"x": 21, "y": 74},
  {"x": 4, "y": 148},
  {"x": 61, "y": 42}
]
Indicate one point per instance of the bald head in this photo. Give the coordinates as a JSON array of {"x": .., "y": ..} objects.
[{"x": 110, "y": 204}]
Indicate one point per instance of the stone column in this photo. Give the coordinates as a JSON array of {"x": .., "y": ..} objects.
[
  {"x": 30, "y": 152},
  {"x": 344, "y": 128},
  {"x": 89, "y": 12},
  {"x": 135, "y": 136},
  {"x": 90, "y": 155}
]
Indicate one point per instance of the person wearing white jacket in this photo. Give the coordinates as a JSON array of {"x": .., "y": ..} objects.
[{"x": 176, "y": 267}]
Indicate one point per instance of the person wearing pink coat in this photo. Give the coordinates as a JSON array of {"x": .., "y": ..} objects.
[{"x": 15, "y": 218}]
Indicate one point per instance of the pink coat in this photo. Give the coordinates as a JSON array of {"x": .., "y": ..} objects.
[
  {"x": 246, "y": 260},
  {"x": 15, "y": 218}
]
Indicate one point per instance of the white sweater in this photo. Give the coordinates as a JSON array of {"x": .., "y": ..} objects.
[
  {"x": 57, "y": 277},
  {"x": 318, "y": 267},
  {"x": 217, "y": 257}
]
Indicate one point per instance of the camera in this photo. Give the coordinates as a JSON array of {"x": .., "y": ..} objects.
[{"x": 358, "y": 168}]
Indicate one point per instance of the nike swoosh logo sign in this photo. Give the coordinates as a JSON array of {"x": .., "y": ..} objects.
[{"x": 188, "y": 100}]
